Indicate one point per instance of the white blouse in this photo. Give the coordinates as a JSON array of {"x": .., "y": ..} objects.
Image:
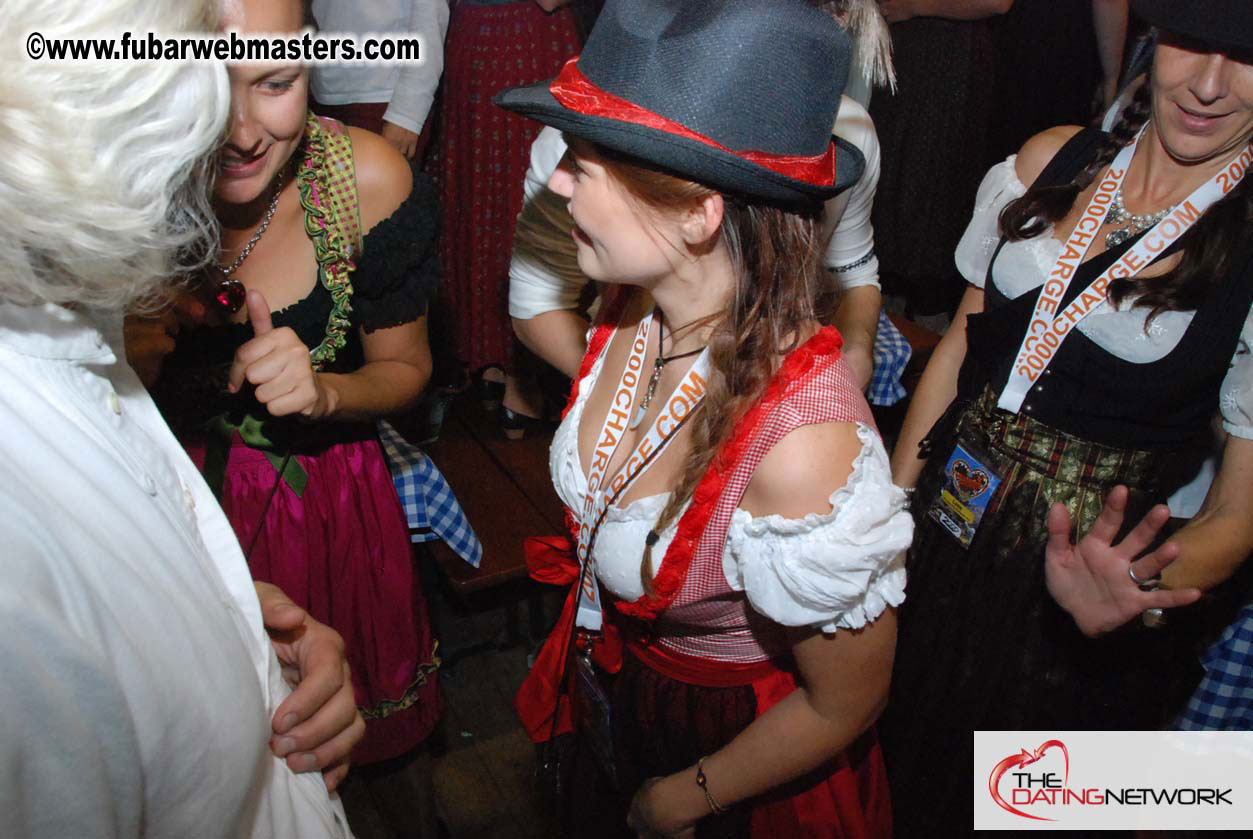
[
  {"x": 832, "y": 570},
  {"x": 1023, "y": 265}
]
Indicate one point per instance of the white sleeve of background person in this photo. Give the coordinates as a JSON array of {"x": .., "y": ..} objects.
[
  {"x": 409, "y": 89},
  {"x": 532, "y": 289},
  {"x": 416, "y": 83},
  {"x": 852, "y": 239}
]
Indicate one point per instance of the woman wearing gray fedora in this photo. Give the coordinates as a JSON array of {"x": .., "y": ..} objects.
[
  {"x": 1107, "y": 322},
  {"x": 546, "y": 287},
  {"x": 729, "y": 494}
]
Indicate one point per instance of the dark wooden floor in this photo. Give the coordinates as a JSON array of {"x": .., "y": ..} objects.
[{"x": 488, "y": 622}]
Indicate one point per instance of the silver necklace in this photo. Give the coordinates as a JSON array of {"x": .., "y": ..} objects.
[
  {"x": 1129, "y": 225},
  {"x": 658, "y": 364},
  {"x": 227, "y": 270}
]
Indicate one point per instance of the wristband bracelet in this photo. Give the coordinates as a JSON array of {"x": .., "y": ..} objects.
[{"x": 703, "y": 783}]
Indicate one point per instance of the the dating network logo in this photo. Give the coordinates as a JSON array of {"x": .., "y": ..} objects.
[
  {"x": 1040, "y": 779},
  {"x": 1114, "y": 780}
]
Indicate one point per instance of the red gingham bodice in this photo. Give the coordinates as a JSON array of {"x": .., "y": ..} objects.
[{"x": 707, "y": 618}]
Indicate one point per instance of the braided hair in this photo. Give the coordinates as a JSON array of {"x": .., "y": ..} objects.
[{"x": 1208, "y": 247}]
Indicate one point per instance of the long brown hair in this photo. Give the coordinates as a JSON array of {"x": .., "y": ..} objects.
[
  {"x": 778, "y": 277},
  {"x": 1208, "y": 247}
]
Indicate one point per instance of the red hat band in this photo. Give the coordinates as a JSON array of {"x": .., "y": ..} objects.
[{"x": 576, "y": 92}]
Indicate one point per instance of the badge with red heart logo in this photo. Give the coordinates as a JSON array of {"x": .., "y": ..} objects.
[
  {"x": 968, "y": 487},
  {"x": 968, "y": 481}
]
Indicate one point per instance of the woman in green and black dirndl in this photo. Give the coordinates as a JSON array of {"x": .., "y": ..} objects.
[{"x": 1002, "y": 628}]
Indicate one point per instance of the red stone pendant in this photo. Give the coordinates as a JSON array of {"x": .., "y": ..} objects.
[{"x": 230, "y": 296}]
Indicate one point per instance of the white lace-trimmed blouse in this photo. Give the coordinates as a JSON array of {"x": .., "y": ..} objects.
[
  {"x": 1023, "y": 266},
  {"x": 832, "y": 570}
]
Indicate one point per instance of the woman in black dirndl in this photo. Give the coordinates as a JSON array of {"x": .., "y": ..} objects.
[{"x": 1068, "y": 407}]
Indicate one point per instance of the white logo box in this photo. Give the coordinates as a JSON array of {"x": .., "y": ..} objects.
[{"x": 1113, "y": 780}]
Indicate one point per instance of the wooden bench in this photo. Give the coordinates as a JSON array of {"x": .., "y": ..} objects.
[{"x": 505, "y": 490}]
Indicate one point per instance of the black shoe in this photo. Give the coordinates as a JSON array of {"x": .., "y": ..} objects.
[
  {"x": 516, "y": 425},
  {"x": 489, "y": 391}
]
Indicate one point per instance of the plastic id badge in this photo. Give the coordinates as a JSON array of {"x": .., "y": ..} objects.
[
  {"x": 968, "y": 487},
  {"x": 595, "y": 716}
]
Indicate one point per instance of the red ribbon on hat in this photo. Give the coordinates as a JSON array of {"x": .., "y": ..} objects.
[{"x": 573, "y": 90}]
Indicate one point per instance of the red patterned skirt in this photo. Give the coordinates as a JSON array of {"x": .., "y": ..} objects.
[
  {"x": 672, "y": 709},
  {"x": 342, "y": 552},
  {"x": 480, "y": 156}
]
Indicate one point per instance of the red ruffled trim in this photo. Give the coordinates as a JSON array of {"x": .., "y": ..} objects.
[
  {"x": 578, "y": 93},
  {"x": 801, "y": 363},
  {"x": 612, "y": 306}
]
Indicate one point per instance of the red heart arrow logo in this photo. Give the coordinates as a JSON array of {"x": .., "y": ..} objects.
[
  {"x": 968, "y": 481},
  {"x": 1024, "y": 758}
]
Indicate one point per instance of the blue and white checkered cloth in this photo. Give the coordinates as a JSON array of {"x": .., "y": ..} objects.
[
  {"x": 1224, "y": 699},
  {"x": 891, "y": 354},
  {"x": 430, "y": 506}
]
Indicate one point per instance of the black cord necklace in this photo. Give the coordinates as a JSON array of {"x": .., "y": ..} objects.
[
  {"x": 658, "y": 364},
  {"x": 265, "y": 508}
]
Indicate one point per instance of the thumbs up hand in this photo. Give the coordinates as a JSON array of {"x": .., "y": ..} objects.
[
  {"x": 277, "y": 363},
  {"x": 259, "y": 313}
]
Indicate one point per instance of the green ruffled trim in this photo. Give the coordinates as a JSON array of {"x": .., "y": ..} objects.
[
  {"x": 334, "y": 263},
  {"x": 409, "y": 698}
]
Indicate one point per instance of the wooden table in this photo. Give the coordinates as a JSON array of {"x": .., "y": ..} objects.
[{"x": 505, "y": 490}]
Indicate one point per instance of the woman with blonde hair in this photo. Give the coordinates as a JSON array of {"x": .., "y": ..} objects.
[{"x": 730, "y": 496}]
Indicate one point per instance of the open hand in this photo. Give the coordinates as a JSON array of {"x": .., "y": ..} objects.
[
  {"x": 316, "y": 727},
  {"x": 404, "y": 140},
  {"x": 1090, "y": 580},
  {"x": 277, "y": 363}
]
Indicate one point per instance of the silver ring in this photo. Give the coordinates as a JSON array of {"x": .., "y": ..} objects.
[{"x": 1144, "y": 584}]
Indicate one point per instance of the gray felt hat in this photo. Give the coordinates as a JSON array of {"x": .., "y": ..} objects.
[
  {"x": 740, "y": 95},
  {"x": 1220, "y": 23}
]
